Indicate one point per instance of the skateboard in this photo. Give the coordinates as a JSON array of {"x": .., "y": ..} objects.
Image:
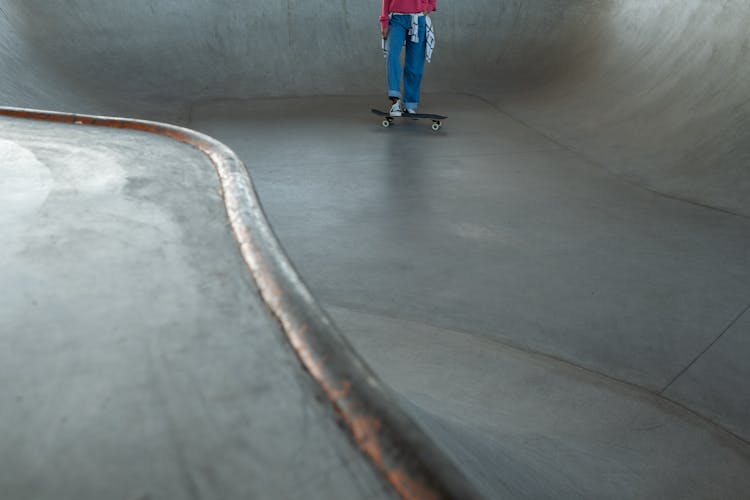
[{"x": 437, "y": 120}]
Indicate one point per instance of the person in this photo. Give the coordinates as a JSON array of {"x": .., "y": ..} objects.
[{"x": 406, "y": 22}]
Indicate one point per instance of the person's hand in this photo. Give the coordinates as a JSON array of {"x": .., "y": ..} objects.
[
  {"x": 426, "y": 13},
  {"x": 384, "y": 32}
]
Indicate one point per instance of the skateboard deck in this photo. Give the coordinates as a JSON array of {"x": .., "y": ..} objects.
[{"x": 388, "y": 119}]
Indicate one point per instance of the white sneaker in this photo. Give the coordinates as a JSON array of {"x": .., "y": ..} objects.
[
  {"x": 411, "y": 111},
  {"x": 396, "y": 108}
]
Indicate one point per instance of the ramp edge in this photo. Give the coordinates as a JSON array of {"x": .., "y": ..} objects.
[{"x": 395, "y": 445}]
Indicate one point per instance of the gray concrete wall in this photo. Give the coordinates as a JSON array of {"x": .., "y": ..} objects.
[
  {"x": 651, "y": 91},
  {"x": 654, "y": 92},
  {"x": 191, "y": 49},
  {"x": 665, "y": 104}
]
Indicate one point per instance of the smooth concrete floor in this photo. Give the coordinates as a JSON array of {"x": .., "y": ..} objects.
[
  {"x": 526, "y": 426},
  {"x": 505, "y": 235},
  {"x": 137, "y": 359},
  {"x": 530, "y": 306}
]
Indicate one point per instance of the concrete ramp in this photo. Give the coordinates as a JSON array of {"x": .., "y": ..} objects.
[
  {"x": 653, "y": 92},
  {"x": 138, "y": 361},
  {"x": 558, "y": 284}
]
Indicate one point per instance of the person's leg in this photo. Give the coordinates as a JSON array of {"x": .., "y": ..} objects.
[
  {"x": 396, "y": 38},
  {"x": 415, "y": 53}
]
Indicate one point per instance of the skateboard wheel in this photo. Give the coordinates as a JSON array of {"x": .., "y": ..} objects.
[
  {"x": 386, "y": 123},
  {"x": 436, "y": 126}
]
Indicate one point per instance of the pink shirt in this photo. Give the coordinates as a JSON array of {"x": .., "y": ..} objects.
[{"x": 405, "y": 7}]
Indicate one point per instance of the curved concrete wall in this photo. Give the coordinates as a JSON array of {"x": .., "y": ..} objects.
[
  {"x": 665, "y": 104},
  {"x": 191, "y": 49},
  {"x": 652, "y": 91}
]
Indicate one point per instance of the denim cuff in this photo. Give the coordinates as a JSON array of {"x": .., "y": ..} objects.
[
  {"x": 394, "y": 93},
  {"x": 411, "y": 105}
]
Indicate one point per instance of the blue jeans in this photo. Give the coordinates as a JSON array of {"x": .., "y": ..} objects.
[{"x": 415, "y": 53}]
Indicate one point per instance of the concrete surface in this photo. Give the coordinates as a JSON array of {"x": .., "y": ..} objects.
[
  {"x": 437, "y": 252},
  {"x": 584, "y": 210},
  {"x": 137, "y": 360},
  {"x": 528, "y": 426}
]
